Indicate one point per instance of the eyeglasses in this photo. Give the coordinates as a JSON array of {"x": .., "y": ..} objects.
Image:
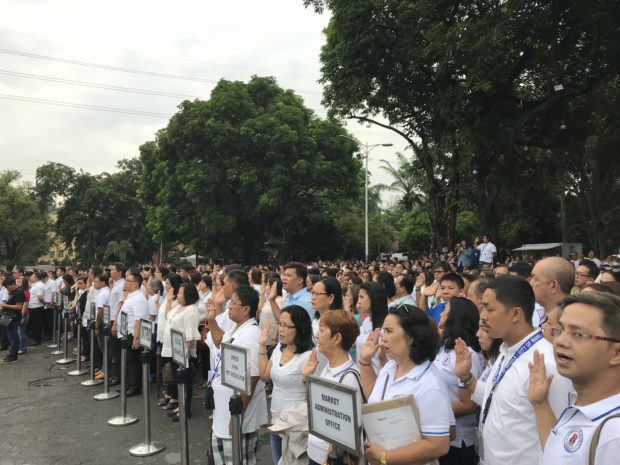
[
  {"x": 582, "y": 275},
  {"x": 579, "y": 336},
  {"x": 285, "y": 326},
  {"x": 314, "y": 293},
  {"x": 130, "y": 280}
]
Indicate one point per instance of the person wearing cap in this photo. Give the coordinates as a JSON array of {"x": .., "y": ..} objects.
[{"x": 586, "y": 347}]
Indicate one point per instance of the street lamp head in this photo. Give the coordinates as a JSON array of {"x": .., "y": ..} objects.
[{"x": 386, "y": 145}]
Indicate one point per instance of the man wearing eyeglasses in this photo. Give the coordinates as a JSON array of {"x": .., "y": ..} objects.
[
  {"x": 585, "y": 274},
  {"x": 586, "y": 346}
]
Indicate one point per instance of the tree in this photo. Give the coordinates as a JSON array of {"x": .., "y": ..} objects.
[
  {"x": 52, "y": 181},
  {"x": 23, "y": 226},
  {"x": 469, "y": 85},
  {"x": 102, "y": 217},
  {"x": 249, "y": 173},
  {"x": 404, "y": 182}
]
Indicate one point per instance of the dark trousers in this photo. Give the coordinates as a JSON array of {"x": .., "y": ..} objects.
[
  {"x": 36, "y": 323},
  {"x": 460, "y": 456},
  {"x": 48, "y": 322},
  {"x": 85, "y": 349},
  {"x": 115, "y": 357},
  {"x": 134, "y": 367},
  {"x": 189, "y": 386},
  {"x": 13, "y": 336}
]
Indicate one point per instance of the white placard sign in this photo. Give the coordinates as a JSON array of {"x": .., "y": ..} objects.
[
  {"x": 122, "y": 329},
  {"x": 92, "y": 311},
  {"x": 235, "y": 368},
  {"x": 333, "y": 415},
  {"x": 179, "y": 354},
  {"x": 146, "y": 333},
  {"x": 65, "y": 303},
  {"x": 106, "y": 315}
]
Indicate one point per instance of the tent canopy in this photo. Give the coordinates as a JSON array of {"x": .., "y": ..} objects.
[{"x": 547, "y": 246}]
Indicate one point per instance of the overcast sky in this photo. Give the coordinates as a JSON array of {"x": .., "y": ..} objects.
[{"x": 201, "y": 39}]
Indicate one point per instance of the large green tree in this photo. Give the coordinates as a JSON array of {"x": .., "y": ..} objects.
[
  {"x": 23, "y": 226},
  {"x": 250, "y": 173},
  {"x": 468, "y": 84},
  {"x": 102, "y": 217}
]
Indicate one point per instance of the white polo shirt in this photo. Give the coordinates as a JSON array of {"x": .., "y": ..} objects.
[
  {"x": 103, "y": 297},
  {"x": 116, "y": 295},
  {"x": 4, "y": 293},
  {"x": 510, "y": 434},
  {"x": 570, "y": 438},
  {"x": 255, "y": 415},
  {"x": 50, "y": 287},
  {"x": 429, "y": 391},
  {"x": 445, "y": 362},
  {"x": 185, "y": 320},
  {"x": 136, "y": 308},
  {"x": 37, "y": 290}
]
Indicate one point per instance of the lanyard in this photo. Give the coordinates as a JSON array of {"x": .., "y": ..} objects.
[
  {"x": 527, "y": 345},
  {"x": 349, "y": 365}
]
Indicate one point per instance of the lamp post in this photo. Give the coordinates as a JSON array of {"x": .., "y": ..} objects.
[{"x": 366, "y": 148}]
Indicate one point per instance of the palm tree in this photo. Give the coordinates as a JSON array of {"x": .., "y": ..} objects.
[{"x": 405, "y": 182}]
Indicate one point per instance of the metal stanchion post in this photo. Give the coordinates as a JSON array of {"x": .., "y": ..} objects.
[
  {"x": 236, "y": 410},
  {"x": 183, "y": 379},
  {"x": 106, "y": 394},
  {"x": 123, "y": 419},
  {"x": 66, "y": 360},
  {"x": 78, "y": 369},
  {"x": 54, "y": 335},
  {"x": 92, "y": 381},
  {"x": 147, "y": 447},
  {"x": 57, "y": 319},
  {"x": 334, "y": 458}
]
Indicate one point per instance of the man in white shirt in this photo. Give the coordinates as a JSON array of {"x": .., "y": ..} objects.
[
  {"x": 245, "y": 333},
  {"x": 506, "y": 433},
  {"x": 48, "y": 310},
  {"x": 488, "y": 251},
  {"x": 35, "y": 308},
  {"x": 117, "y": 274},
  {"x": 552, "y": 280},
  {"x": 102, "y": 297},
  {"x": 404, "y": 290},
  {"x": 586, "y": 344},
  {"x": 136, "y": 308}
]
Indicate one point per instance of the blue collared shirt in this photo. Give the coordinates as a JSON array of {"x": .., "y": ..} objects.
[{"x": 302, "y": 298}]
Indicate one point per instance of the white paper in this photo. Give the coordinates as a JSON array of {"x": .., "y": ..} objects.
[{"x": 391, "y": 428}]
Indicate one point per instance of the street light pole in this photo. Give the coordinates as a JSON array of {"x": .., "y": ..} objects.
[{"x": 366, "y": 148}]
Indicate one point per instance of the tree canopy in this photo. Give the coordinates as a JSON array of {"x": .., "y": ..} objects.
[{"x": 250, "y": 173}]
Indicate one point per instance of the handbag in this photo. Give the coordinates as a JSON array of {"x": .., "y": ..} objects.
[{"x": 6, "y": 319}]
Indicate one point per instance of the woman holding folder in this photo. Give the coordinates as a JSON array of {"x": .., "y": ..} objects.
[{"x": 410, "y": 341}]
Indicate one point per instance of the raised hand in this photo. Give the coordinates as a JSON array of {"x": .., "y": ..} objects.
[
  {"x": 370, "y": 347},
  {"x": 463, "y": 359},
  {"x": 220, "y": 299},
  {"x": 264, "y": 335},
  {"x": 273, "y": 291},
  {"x": 210, "y": 310},
  {"x": 538, "y": 389},
  {"x": 311, "y": 365}
]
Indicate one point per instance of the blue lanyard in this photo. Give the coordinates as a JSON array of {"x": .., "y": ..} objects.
[{"x": 527, "y": 345}]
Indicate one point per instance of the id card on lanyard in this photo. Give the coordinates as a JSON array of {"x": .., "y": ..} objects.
[{"x": 499, "y": 375}]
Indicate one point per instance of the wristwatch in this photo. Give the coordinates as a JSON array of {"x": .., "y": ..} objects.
[{"x": 383, "y": 457}]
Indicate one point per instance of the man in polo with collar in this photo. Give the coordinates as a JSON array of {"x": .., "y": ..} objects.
[
  {"x": 506, "y": 431},
  {"x": 586, "y": 346},
  {"x": 294, "y": 283}
]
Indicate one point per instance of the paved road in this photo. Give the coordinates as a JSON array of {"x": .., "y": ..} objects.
[{"x": 47, "y": 417}]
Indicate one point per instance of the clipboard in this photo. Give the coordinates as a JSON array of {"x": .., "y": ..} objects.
[{"x": 393, "y": 423}]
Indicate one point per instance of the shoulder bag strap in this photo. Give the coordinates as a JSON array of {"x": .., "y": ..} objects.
[
  {"x": 596, "y": 437},
  {"x": 357, "y": 378}
]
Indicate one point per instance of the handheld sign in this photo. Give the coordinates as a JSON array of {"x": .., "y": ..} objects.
[
  {"x": 65, "y": 303},
  {"x": 106, "y": 315},
  {"x": 179, "y": 354},
  {"x": 122, "y": 329},
  {"x": 92, "y": 311},
  {"x": 235, "y": 368},
  {"x": 55, "y": 297},
  {"x": 146, "y": 333},
  {"x": 332, "y": 414}
]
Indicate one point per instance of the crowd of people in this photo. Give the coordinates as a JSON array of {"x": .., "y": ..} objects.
[{"x": 515, "y": 363}]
